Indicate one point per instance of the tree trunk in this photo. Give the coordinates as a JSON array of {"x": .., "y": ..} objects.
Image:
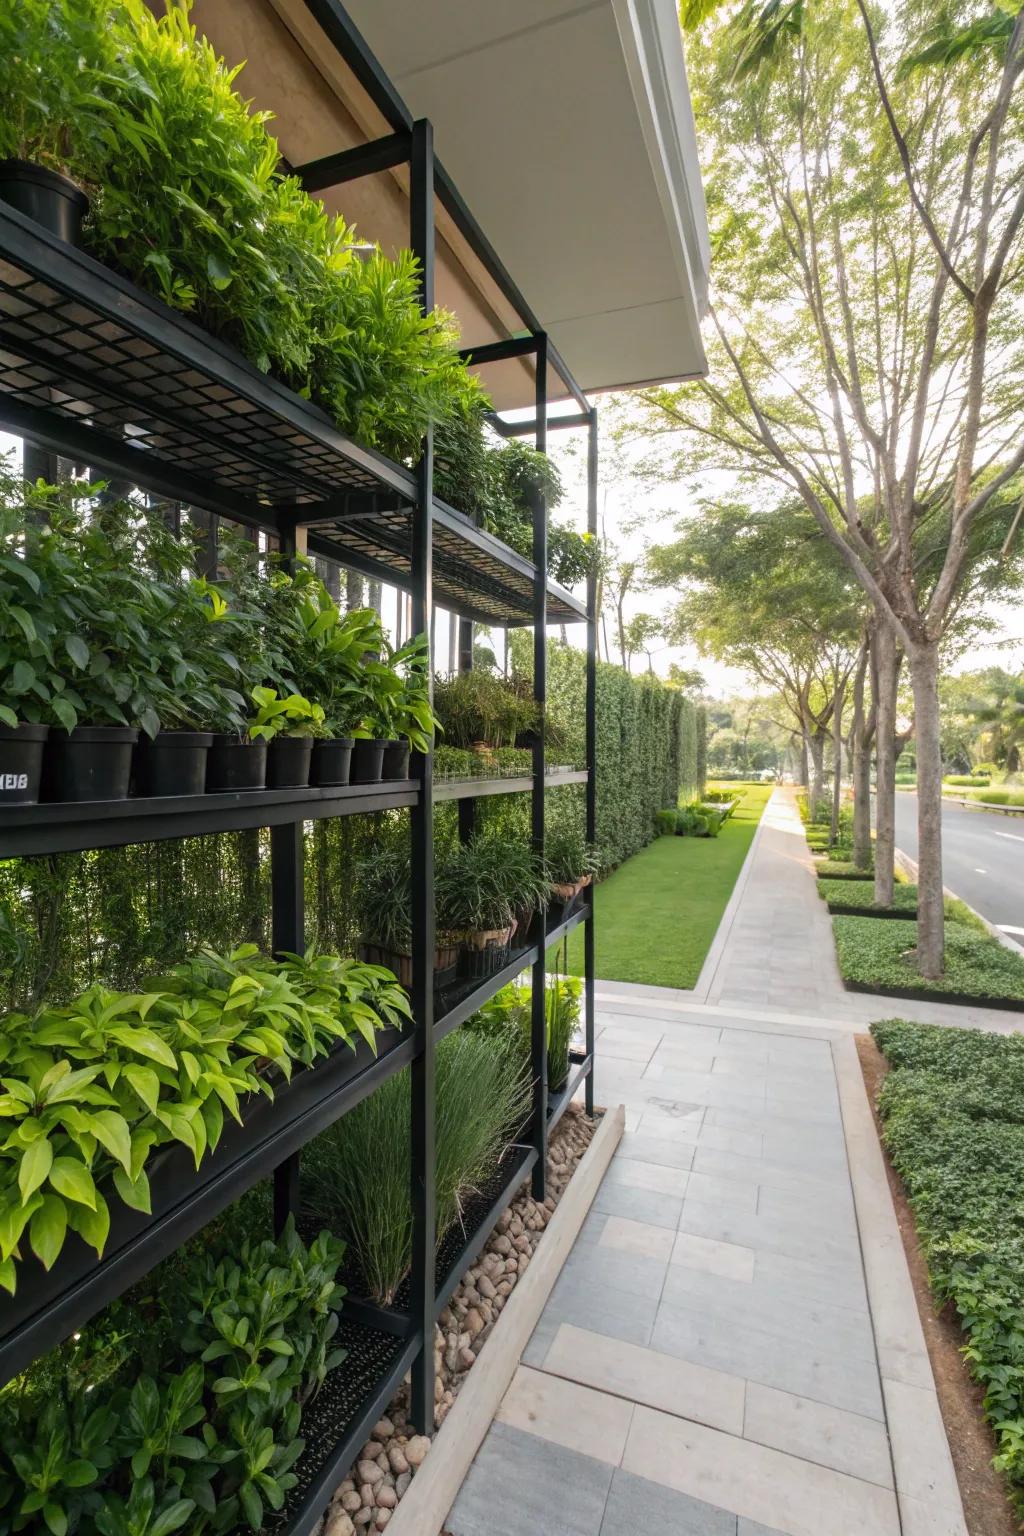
[
  {"x": 805, "y": 767},
  {"x": 886, "y": 678},
  {"x": 353, "y": 590},
  {"x": 860, "y": 739},
  {"x": 924, "y": 678},
  {"x": 375, "y": 596},
  {"x": 837, "y": 759},
  {"x": 816, "y": 746}
]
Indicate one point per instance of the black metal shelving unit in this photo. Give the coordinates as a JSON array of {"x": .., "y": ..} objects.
[{"x": 96, "y": 370}]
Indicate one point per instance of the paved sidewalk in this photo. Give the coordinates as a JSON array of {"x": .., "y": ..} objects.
[
  {"x": 706, "y": 1364},
  {"x": 733, "y": 1347},
  {"x": 774, "y": 950}
]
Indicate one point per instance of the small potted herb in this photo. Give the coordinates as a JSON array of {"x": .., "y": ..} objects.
[
  {"x": 471, "y": 892},
  {"x": 384, "y": 907}
]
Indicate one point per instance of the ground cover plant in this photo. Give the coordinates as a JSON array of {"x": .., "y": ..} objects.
[
  {"x": 860, "y": 895},
  {"x": 657, "y": 915},
  {"x": 356, "y": 1176},
  {"x": 839, "y": 869},
  {"x": 952, "y": 1111},
  {"x": 876, "y": 956},
  {"x": 178, "y": 1408},
  {"x": 92, "y": 1089}
]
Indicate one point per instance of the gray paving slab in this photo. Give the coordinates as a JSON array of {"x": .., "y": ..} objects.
[
  {"x": 843, "y": 1380},
  {"x": 522, "y": 1485},
  {"x": 635, "y": 1504}
]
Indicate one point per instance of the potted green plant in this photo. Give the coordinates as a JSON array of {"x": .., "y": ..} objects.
[
  {"x": 571, "y": 862},
  {"x": 201, "y": 693},
  {"x": 103, "y": 672},
  {"x": 273, "y": 749},
  {"x": 411, "y": 721},
  {"x": 384, "y": 908},
  {"x": 53, "y": 54},
  {"x": 523, "y": 880},
  {"x": 330, "y": 666},
  {"x": 471, "y": 892}
]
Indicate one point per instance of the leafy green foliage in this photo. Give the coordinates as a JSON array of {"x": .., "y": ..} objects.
[
  {"x": 480, "y": 707},
  {"x": 113, "y": 1436},
  {"x": 498, "y": 484},
  {"x": 859, "y": 895},
  {"x": 92, "y": 1089},
  {"x": 665, "y": 822},
  {"x": 953, "y": 1124},
  {"x": 53, "y": 55},
  {"x": 189, "y": 201},
  {"x": 356, "y": 1175},
  {"x": 881, "y": 956},
  {"x": 507, "y": 1017}
]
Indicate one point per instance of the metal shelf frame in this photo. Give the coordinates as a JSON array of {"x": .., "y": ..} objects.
[{"x": 98, "y": 371}]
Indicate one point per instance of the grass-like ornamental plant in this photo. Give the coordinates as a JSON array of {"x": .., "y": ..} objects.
[
  {"x": 92, "y": 1089},
  {"x": 479, "y": 707},
  {"x": 952, "y": 1108},
  {"x": 356, "y": 1175},
  {"x": 180, "y": 1407}
]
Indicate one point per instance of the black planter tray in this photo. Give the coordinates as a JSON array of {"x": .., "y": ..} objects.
[
  {"x": 48, "y": 1307},
  {"x": 337, "y": 1423}
]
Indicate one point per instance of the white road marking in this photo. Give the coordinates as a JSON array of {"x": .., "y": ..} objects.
[
  {"x": 1009, "y": 928},
  {"x": 981, "y": 871},
  {"x": 1014, "y": 837}
]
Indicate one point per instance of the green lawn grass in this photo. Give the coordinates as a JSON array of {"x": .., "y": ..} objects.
[{"x": 656, "y": 916}]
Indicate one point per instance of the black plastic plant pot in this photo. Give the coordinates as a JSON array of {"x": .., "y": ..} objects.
[
  {"x": 367, "y": 762},
  {"x": 174, "y": 763},
  {"x": 332, "y": 762},
  {"x": 288, "y": 761},
  {"x": 236, "y": 765},
  {"x": 52, "y": 200},
  {"x": 174, "y": 1180},
  {"x": 21, "y": 763},
  {"x": 92, "y": 762},
  {"x": 476, "y": 963},
  {"x": 396, "y": 760}
]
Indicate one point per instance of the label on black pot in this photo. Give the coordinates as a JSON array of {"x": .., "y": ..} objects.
[{"x": 13, "y": 781}]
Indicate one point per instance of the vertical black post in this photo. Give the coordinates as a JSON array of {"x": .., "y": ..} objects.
[
  {"x": 591, "y": 736},
  {"x": 288, "y": 922},
  {"x": 467, "y": 808},
  {"x": 538, "y": 1018},
  {"x": 422, "y": 1192}
]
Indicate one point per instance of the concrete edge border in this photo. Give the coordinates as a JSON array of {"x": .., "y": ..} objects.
[
  {"x": 433, "y": 1490},
  {"x": 705, "y": 980},
  {"x": 909, "y": 868},
  {"x": 926, "y": 1485}
]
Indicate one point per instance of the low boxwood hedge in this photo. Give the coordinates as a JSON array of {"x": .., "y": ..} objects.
[
  {"x": 952, "y": 1109},
  {"x": 874, "y": 957}
]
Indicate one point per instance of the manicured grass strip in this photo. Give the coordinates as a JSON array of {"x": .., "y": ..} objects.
[
  {"x": 860, "y": 895},
  {"x": 952, "y": 1109},
  {"x": 874, "y": 956},
  {"x": 657, "y": 915}
]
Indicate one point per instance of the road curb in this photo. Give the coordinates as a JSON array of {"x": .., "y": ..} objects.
[{"x": 909, "y": 868}]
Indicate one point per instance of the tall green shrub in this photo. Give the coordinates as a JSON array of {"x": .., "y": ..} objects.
[{"x": 649, "y": 739}]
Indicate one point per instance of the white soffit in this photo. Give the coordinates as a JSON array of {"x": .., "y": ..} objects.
[{"x": 568, "y": 129}]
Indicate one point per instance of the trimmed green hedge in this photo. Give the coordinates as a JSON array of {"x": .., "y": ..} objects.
[
  {"x": 648, "y": 742},
  {"x": 952, "y": 1111},
  {"x": 840, "y": 869},
  {"x": 845, "y": 892},
  {"x": 872, "y": 954}
]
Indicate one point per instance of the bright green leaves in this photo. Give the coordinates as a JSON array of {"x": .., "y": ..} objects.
[
  {"x": 90, "y": 1090},
  {"x": 36, "y": 1161},
  {"x": 47, "y": 1229}
]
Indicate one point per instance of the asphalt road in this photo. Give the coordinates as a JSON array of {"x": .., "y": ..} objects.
[{"x": 982, "y": 858}]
